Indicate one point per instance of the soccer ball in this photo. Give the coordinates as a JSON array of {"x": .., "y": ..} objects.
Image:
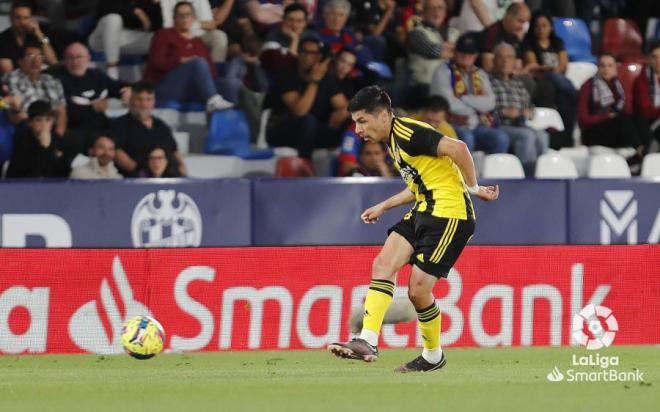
[{"x": 143, "y": 337}]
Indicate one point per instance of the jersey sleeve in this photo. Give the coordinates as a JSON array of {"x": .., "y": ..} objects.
[{"x": 423, "y": 141}]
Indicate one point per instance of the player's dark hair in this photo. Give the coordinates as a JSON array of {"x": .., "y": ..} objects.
[
  {"x": 142, "y": 86},
  {"x": 436, "y": 104},
  {"x": 294, "y": 7},
  {"x": 371, "y": 99}
]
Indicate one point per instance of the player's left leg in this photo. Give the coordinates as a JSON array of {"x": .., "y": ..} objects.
[
  {"x": 420, "y": 292},
  {"x": 439, "y": 249}
]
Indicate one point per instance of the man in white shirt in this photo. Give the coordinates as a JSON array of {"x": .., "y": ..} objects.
[
  {"x": 101, "y": 165},
  {"x": 206, "y": 26}
]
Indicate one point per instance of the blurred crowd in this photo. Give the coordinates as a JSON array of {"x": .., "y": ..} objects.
[{"x": 474, "y": 69}]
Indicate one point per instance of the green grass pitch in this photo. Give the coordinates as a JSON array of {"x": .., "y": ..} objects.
[{"x": 511, "y": 379}]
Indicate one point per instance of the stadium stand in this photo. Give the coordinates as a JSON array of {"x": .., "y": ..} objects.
[
  {"x": 226, "y": 134},
  {"x": 651, "y": 165},
  {"x": 577, "y": 38},
  {"x": 608, "y": 166},
  {"x": 546, "y": 118},
  {"x": 555, "y": 166},
  {"x": 623, "y": 39},
  {"x": 502, "y": 166}
]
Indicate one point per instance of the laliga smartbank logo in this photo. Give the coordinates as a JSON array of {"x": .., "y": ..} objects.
[{"x": 595, "y": 327}]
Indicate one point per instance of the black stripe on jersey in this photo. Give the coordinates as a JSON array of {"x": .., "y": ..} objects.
[
  {"x": 469, "y": 209},
  {"x": 413, "y": 145},
  {"x": 422, "y": 140}
]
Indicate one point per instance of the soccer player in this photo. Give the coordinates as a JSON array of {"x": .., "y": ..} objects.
[{"x": 439, "y": 174}]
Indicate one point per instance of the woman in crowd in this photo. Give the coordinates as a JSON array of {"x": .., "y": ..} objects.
[
  {"x": 601, "y": 114},
  {"x": 160, "y": 162},
  {"x": 545, "y": 56}
]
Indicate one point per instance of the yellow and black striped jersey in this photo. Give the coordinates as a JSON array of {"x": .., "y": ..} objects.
[{"x": 435, "y": 180}]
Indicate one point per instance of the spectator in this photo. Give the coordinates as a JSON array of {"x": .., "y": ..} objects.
[
  {"x": 24, "y": 30},
  {"x": 475, "y": 15},
  {"x": 245, "y": 71},
  {"x": 514, "y": 108},
  {"x": 101, "y": 164},
  {"x": 646, "y": 90},
  {"x": 37, "y": 150},
  {"x": 342, "y": 69},
  {"x": 601, "y": 112},
  {"x": 377, "y": 21},
  {"x": 281, "y": 45},
  {"x": 264, "y": 12},
  {"x": 308, "y": 109},
  {"x": 508, "y": 30},
  {"x": 204, "y": 25},
  {"x": 124, "y": 26},
  {"x": 372, "y": 161},
  {"x": 471, "y": 99},
  {"x": 435, "y": 112},
  {"x": 29, "y": 84},
  {"x": 87, "y": 90},
  {"x": 247, "y": 82},
  {"x": 138, "y": 131},
  {"x": 180, "y": 66},
  {"x": 334, "y": 33},
  {"x": 227, "y": 17},
  {"x": 160, "y": 163},
  {"x": 429, "y": 45},
  {"x": 545, "y": 56}
]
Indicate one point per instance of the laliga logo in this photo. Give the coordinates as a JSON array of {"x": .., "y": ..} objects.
[
  {"x": 600, "y": 336},
  {"x": 86, "y": 328},
  {"x": 163, "y": 219}
]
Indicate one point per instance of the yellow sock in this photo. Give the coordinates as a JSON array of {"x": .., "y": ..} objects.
[
  {"x": 379, "y": 297},
  {"x": 429, "y": 325}
]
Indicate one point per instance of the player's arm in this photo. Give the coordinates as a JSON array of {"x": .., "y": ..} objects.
[
  {"x": 372, "y": 214},
  {"x": 428, "y": 141},
  {"x": 458, "y": 152}
]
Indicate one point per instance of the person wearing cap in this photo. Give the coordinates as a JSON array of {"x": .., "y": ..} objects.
[
  {"x": 38, "y": 150},
  {"x": 308, "y": 107},
  {"x": 471, "y": 98}
]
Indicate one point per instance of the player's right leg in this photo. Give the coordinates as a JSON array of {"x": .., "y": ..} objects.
[{"x": 393, "y": 256}]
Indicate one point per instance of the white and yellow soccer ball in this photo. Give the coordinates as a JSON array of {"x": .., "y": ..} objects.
[{"x": 143, "y": 337}]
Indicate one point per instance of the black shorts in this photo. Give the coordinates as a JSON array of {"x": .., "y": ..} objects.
[{"x": 437, "y": 241}]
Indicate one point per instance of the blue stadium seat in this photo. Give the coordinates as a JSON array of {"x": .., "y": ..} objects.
[
  {"x": 181, "y": 106},
  {"x": 6, "y": 137},
  {"x": 577, "y": 38},
  {"x": 229, "y": 134},
  {"x": 381, "y": 69},
  {"x": 124, "y": 59}
]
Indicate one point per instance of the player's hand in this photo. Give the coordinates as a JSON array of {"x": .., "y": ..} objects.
[
  {"x": 488, "y": 193},
  {"x": 372, "y": 214}
]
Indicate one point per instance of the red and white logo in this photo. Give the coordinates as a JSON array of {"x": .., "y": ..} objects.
[
  {"x": 86, "y": 325},
  {"x": 595, "y": 327}
]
